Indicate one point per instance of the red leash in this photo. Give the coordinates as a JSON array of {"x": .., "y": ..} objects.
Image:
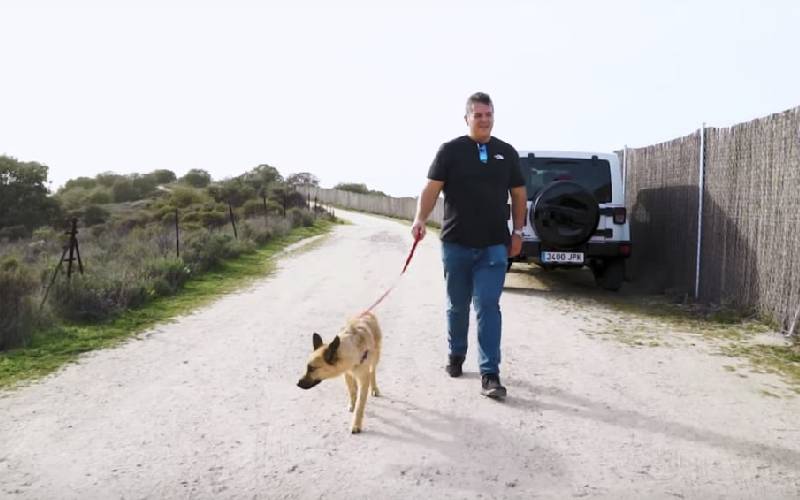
[{"x": 408, "y": 260}]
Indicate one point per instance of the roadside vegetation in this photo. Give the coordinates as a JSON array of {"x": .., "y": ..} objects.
[{"x": 151, "y": 246}]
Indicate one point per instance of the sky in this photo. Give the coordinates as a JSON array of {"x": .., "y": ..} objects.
[{"x": 367, "y": 91}]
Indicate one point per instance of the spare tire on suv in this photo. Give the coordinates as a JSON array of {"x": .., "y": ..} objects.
[{"x": 565, "y": 214}]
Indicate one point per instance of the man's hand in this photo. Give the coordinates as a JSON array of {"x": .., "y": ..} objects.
[
  {"x": 425, "y": 204},
  {"x": 418, "y": 230},
  {"x": 516, "y": 245}
]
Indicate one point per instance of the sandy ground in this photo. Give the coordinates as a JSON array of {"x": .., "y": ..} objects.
[{"x": 207, "y": 407}]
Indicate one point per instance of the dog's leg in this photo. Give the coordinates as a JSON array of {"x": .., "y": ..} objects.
[
  {"x": 363, "y": 387},
  {"x": 372, "y": 369},
  {"x": 351, "y": 389}
]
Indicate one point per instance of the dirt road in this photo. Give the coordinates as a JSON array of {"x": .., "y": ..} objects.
[{"x": 207, "y": 407}]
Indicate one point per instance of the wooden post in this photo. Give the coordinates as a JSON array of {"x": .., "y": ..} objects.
[
  {"x": 53, "y": 278},
  {"x": 177, "y": 237},
  {"x": 233, "y": 222},
  {"x": 73, "y": 245},
  {"x": 266, "y": 210}
]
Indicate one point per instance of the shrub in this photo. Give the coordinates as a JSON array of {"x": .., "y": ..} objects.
[
  {"x": 182, "y": 196},
  {"x": 204, "y": 250},
  {"x": 300, "y": 217},
  {"x": 13, "y": 233},
  {"x": 253, "y": 208},
  {"x": 94, "y": 215},
  {"x": 88, "y": 297},
  {"x": 17, "y": 287},
  {"x": 100, "y": 196},
  {"x": 197, "y": 178},
  {"x": 256, "y": 233},
  {"x": 167, "y": 275}
]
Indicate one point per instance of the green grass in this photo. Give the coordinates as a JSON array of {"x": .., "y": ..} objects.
[{"x": 52, "y": 348}]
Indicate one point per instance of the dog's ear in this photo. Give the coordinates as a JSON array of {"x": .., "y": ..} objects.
[
  {"x": 317, "y": 341},
  {"x": 330, "y": 351}
]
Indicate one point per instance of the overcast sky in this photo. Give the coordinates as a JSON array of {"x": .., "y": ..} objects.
[{"x": 358, "y": 93}]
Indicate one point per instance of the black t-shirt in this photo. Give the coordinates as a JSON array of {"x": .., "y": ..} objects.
[{"x": 475, "y": 193}]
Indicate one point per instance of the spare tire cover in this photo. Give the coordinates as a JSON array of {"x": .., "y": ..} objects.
[{"x": 565, "y": 214}]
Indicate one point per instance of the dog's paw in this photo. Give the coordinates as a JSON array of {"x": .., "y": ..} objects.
[
  {"x": 376, "y": 392},
  {"x": 351, "y": 407},
  {"x": 355, "y": 430}
]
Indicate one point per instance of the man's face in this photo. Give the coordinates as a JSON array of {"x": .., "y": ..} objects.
[{"x": 480, "y": 121}]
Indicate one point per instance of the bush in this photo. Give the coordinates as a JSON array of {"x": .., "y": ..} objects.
[
  {"x": 100, "y": 196},
  {"x": 259, "y": 235},
  {"x": 300, "y": 217},
  {"x": 182, "y": 196},
  {"x": 13, "y": 233},
  {"x": 94, "y": 215},
  {"x": 197, "y": 178},
  {"x": 17, "y": 288},
  {"x": 95, "y": 297},
  {"x": 123, "y": 190},
  {"x": 253, "y": 208},
  {"x": 204, "y": 250},
  {"x": 167, "y": 275},
  {"x": 205, "y": 218}
]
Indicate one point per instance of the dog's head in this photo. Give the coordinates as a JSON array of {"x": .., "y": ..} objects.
[{"x": 322, "y": 363}]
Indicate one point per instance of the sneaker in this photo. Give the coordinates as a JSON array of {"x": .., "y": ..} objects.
[
  {"x": 491, "y": 386},
  {"x": 454, "y": 365}
]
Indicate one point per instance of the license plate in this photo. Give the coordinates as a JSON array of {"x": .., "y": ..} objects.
[{"x": 563, "y": 257}]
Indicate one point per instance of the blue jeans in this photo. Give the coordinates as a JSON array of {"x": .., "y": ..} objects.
[{"x": 475, "y": 274}]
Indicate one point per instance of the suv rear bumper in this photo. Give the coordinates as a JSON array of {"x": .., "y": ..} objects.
[{"x": 532, "y": 250}]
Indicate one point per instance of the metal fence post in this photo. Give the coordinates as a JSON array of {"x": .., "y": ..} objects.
[{"x": 701, "y": 183}]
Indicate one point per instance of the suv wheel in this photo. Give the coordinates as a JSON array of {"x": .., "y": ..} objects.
[{"x": 609, "y": 274}]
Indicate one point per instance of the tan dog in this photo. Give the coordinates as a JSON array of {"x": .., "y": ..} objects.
[{"x": 355, "y": 352}]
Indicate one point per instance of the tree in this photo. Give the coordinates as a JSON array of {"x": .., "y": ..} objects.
[
  {"x": 352, "y": 187},
  {"x": 108, "y": 179},
  {"x": 124, "y": 190},
  {"x": 84, "y": 182},
  {"x": 261, "y": 177},
  {"x": 144, "y": 185},
  {"x": 233, "y": 191},
  {"x": 95, "y": 215},
  {"x": 24, "y": 199},
  {"x": 163, "y": 176},
  {"x": 304, "y": 179},
  {"x": 197, "y": 178},
  {"x": 357, "y": 188},
  {"x": 100, "y": 196}
]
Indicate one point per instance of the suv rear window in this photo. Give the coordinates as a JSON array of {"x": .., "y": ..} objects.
[{"x": 594, "y": 175}]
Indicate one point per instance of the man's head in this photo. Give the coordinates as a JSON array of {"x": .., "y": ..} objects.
[{"x": 480, "y": 116}]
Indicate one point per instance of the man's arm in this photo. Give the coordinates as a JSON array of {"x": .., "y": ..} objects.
[
  {"x": 519, "y": 202},
  {"x": 425, "y": 205}
]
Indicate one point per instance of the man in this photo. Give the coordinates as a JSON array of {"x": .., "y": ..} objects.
[{"x": 476, "y": 173}]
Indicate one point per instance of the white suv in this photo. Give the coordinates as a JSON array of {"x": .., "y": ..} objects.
[{"x": 576, "y": 213}]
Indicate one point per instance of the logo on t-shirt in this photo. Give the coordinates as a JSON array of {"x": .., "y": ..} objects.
[{"x": 498, "y": 156}]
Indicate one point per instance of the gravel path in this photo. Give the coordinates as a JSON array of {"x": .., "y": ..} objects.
[{"x": 207, "y": 407}]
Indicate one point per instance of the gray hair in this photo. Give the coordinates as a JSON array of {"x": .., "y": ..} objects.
[{"x": 478, "y": 97}]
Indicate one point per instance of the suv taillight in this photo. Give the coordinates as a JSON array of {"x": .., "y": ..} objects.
[{"x": 620, "y": 215}]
